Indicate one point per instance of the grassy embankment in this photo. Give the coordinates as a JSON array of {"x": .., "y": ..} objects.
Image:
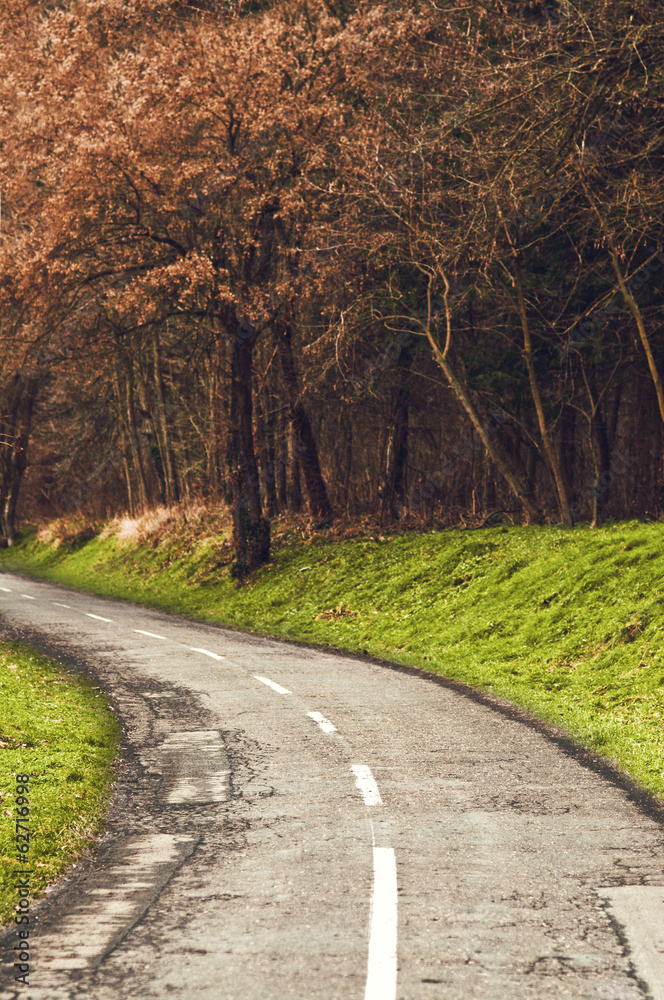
[
  {"x": 567, "y": 623},
  {"x": 58, "y": 728}
]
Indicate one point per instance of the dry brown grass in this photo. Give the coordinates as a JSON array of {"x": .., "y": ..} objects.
[
  {"x": 198, "y": 521},
  {"x": 65, "y": 531}
]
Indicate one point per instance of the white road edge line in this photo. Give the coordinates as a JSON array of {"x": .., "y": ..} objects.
[
  {"x": 272, "y": 684},
  {"x": 206, "y": 652},
  {"x": 98, "y": 617},
  {"x": 365, "y": 781},
  {"x": 382, "y": 965},
  {"x": 153, "y": 635},
  {"x": 58, "y": 605},
  {"x": 28, "y": 597},
  {"x": 7, "y": 590},
  {"x": 324, "y": 723}
]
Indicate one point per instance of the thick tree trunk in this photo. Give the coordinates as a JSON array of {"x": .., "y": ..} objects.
[
  {"x": 135, "y": 446},
  {"x": 305, "y": 442},
  {"x": 17, "y": 424},
  {"x": 132, "y": 504},
  {"x": 596, "y": 513},
  {"x": 251, "y": 531}
]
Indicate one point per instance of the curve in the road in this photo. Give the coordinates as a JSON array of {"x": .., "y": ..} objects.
[{"x": 519, "y": 872}]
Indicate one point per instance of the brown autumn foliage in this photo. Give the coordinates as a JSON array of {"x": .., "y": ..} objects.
[{"x": 367, "y": 257}]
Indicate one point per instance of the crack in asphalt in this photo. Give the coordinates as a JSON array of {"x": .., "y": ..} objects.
[{"x": 137, "y": 805}]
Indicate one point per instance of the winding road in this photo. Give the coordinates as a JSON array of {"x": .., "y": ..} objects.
[{"x": 291, "y": 823}]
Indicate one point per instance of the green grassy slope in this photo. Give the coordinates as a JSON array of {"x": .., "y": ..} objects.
[
  {"x": 567, "y": 623},
  {"x": 57, "y": 728}
]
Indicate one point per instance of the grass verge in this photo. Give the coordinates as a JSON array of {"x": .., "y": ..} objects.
[
  {"x": 565, "y": 622},
  {"x": 57, "y": 728}
]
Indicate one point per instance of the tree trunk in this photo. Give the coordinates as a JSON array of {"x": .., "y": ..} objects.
[
  {"x": 251, "y": 531},
  {"x": 218, "y": 436},
  {"x": 305, "y": 442},
  {"x": 17, "y": 425},
  {"x": 172, "y": 493},
  {"x": 271, "y": 479},
  {"x": 630, "y": 301},
  {"x": 599, "y": 449},
  {"x": 131, "y": 451},
  {"x": 567, "y": 447},
  {"x": 641, "y": 327},
  {"x": 281, "y": 462},
  {"x": 265, "y": 460},
  {"x": 348, "y": 467},
  {"x": 604, "y": 458},
  {"x": 464, "y": 400},
  {"x": 294, "y": 487},
  {"x": 551, "y": 454}
]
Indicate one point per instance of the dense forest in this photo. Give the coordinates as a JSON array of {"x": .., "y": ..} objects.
[{"x": 399, "y": 259}]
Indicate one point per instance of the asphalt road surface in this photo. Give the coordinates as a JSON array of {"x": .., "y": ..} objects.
[{"x": 291, "y": 823}]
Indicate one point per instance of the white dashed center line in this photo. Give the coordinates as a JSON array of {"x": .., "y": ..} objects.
[
  {"x": 366, "y": 783},
  {"x": 271, "y": 684},
  {"x": 206, "y": 652},
  {"x": 382, "y": 967},
  {"x": 324, "y": 724},
  {"x": 199, "y": 785}
]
